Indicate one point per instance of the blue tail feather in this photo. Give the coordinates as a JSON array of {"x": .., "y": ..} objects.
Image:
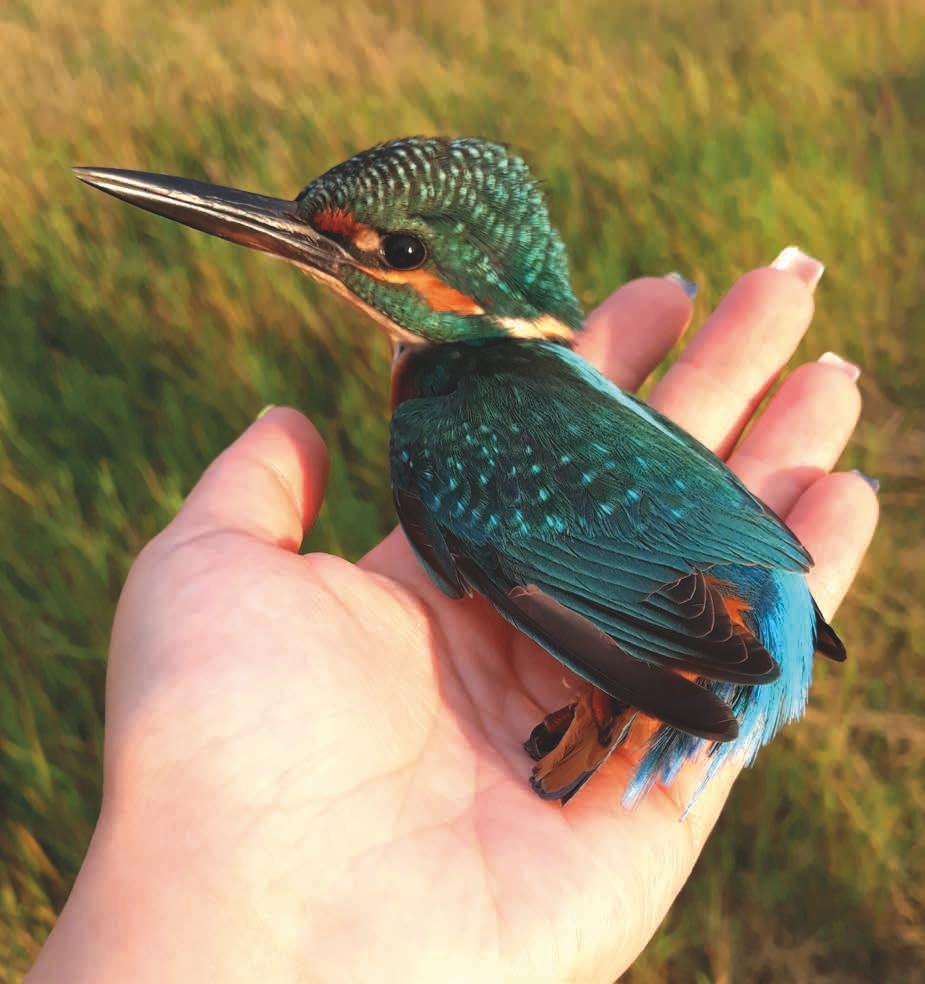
[{"x": 783, "y": 617}]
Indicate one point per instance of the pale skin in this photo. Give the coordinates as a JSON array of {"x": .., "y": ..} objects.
[{"x": 313, "y": 769}]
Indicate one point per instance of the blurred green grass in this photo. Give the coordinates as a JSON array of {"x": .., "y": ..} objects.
[{"x": 700, "y": 137}]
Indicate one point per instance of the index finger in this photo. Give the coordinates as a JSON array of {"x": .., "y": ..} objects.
[
  {"x": 727, "y": 367},
  {"x": 630, "y": 333},
  {"x": 268, "y": 484}
]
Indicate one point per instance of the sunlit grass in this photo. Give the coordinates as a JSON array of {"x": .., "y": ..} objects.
[{"x": 699, "y": 137}]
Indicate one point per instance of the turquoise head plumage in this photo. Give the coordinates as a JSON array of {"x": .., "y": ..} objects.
[{"x": 450, "y": 239}]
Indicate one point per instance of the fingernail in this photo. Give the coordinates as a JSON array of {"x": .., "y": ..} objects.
[
  {"x": 852, "y": 371},
  {"x": 265, "y": 411},
  {"x": 806, "y": 267},
  {"x": 874, "y": 483},
  {"x": 688, "y": 286}
]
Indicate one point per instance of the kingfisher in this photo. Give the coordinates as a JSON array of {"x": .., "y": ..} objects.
[{"x": 594, "y": 525}]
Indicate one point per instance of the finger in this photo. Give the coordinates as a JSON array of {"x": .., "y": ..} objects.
[
  {"x": 801, "y": 434},
  {"x": 722, "y": 374},
  {"x": 628, "y": 335},
  {"x": 268, "y": 484},
  {"x": 835, "y": 519}
]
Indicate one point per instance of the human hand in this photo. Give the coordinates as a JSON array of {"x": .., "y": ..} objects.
[{"x": 314, "y": 769}]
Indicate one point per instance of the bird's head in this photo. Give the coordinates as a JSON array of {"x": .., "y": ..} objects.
[{"x": 439, "y": 240}]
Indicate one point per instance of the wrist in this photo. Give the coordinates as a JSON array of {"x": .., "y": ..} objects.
[
  {"x": 133, "y": 917},
  {"x": 89, "y": 940}
]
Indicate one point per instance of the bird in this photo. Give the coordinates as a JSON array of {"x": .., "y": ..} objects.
[{"x": 594, "y": 525}]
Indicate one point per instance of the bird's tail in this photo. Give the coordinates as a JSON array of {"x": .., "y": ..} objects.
[{"x": 571, "y": 744}]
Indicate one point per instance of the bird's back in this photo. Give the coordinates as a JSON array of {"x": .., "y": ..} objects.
[{"x": 523, "y": 464}]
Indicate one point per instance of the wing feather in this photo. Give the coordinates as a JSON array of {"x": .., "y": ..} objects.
[{"x": 543, "y": 474}]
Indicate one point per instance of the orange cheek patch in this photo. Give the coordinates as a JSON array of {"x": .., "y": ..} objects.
[{"x": 438, "y": 294}]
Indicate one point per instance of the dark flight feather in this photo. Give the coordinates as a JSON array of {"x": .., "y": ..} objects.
[
  {"x": 592, "y": 654},
  {"x": 827, "y": 641}
]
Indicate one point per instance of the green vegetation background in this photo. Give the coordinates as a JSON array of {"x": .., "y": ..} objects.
[{"x": 699, "y": 136}]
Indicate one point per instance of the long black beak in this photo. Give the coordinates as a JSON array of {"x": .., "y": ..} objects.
[{"x": 269, "y": 224}]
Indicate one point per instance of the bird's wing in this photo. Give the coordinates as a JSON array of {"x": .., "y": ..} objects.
[
  {"x": 558, "y": 482},
  {"x": 567, "y": 634}
]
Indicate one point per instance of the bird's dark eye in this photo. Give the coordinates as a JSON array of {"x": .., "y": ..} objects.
[{"x": 402, "y": 252}]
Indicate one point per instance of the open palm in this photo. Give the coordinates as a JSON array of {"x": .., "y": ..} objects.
[{"x": 314, "y": 769}]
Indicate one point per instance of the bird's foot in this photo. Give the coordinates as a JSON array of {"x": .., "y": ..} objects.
[
  {"x": 546, "y": 736},
  {"x": 570, "y": 744}
]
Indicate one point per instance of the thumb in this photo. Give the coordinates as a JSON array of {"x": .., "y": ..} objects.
[{"x": 268, "y": 484}]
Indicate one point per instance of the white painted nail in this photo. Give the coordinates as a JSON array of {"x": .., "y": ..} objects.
[
  {"x": 852, "y": 371},
  {"x": 806, "y": 267},
  {"x": 688, "y": 286},
  {"x": 874, "y": 483}
]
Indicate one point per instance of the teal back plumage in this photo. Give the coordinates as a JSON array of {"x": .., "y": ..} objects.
[{"x": 529, "y": 462}]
